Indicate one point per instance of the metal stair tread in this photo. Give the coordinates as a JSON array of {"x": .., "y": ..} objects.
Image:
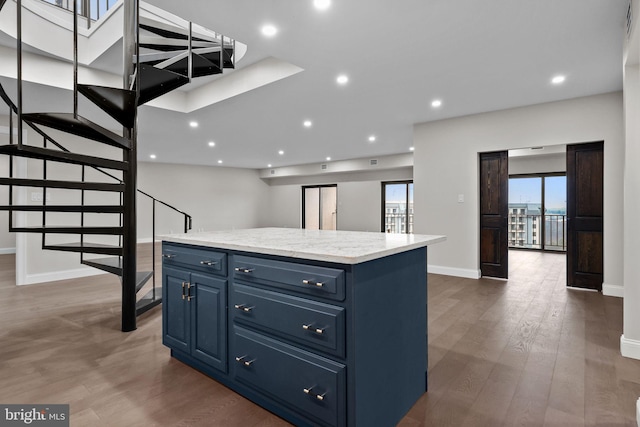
[
  {"x": 63, "y": 229},
  {"x": 41, "y": 153},
  {"x": 155, "y": 82},
  {"x": 172, "y": 31},
  {"x": 148, "y": 301},
  {"x": 118, "y": 103},
  {"x": 109, "y": 209},
  {"x": 96, "y": 248},
  {"x": 77, "y": 125},
  {"x": 71, "y": 185}
]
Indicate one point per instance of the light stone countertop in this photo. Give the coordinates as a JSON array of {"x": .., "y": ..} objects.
[{"x": 344, "y": 247}]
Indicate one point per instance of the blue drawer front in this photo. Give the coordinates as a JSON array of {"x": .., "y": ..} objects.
[
  {"x": 307, "y": 383},
  {"x": 318, "y": 281},
  {"x": 308, "y": 322},
  {"x": 204, "y": 260}
]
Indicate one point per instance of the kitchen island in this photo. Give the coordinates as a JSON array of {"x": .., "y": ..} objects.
[{"x": 321, "y": 327}]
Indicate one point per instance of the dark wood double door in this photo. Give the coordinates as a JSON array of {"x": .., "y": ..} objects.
[{"x": 585, "y": 165}]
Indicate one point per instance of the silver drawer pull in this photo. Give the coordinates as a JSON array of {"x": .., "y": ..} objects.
[
  {"x": 243, "y": 269},
  {"x": 243, "y": 307},
  {"x": 209, "y": 263},
  {"x": 312, "y": 328},
  {"x": 242, "y": 359},
  {"x": 311, "y": 282},
  {"x": 311, "y": 393},
  {"x": 168, "y": 256}
]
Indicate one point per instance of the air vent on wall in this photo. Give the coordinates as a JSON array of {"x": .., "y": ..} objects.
[
  {"x": 629, "y": 18},
  {"x": 373, "y": 162},
  {"x": 273, "y": 171},
  {"x": 323, "y": 167}
]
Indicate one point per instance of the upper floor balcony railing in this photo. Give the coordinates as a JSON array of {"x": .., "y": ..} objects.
[
  {"x": 86, "y": 8},
  {"x": 546, "y": 232},
  {"x": 395, "y": 222}
]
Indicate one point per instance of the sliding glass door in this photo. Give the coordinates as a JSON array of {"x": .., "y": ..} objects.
[
  {"x": 320, "y": 203},
  {"x": 397, "y": 207},
  {"x": 537, "y": 212}
]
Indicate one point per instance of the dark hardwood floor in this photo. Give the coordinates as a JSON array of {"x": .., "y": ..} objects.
[{"x": 526, "y": 352}]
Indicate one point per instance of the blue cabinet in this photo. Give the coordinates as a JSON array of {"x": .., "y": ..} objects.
[
  {"x": 317, "y": 343},
  {"x": 195, "y": 316}
]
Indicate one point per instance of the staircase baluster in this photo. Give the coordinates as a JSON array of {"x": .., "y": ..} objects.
[
  {"x": 190, "y": 57},
  {"x": 19, "y": 48},
  {"x": 75, "y": 59},
  {"x": 44, "y": 193},
  {"x": 153, "y": 246},
  {"x": 82, "y": 214}
]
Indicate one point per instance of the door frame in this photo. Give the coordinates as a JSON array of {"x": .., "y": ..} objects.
[{"x": 320, "y": 186}]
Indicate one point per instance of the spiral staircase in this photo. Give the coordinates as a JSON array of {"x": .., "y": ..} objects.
[{"x": 164, "y": 57}]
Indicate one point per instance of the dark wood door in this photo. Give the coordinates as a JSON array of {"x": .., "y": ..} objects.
[
  {"x": 585, "y": 164},
  {"x": 494, "y": 195}
]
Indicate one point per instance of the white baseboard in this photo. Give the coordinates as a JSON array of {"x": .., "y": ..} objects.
[
  {"x": 630, "y": 348},
  {"x": 612, "y": 290},
  {"x": 145, "y": 240},
  {"x": 457, "y": 272},
  {"x": 31, "y": 279},
  {"x": 4, "y": 251}
]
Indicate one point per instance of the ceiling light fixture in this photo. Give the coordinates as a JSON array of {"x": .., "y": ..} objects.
[
  {"x": 307, "y": 123},
  {"x": 558, "y": 79},
  {"x": 193, "y": 124},
  {"x": 411, "y": 148},
  {"x": 152, "y": 156},
  {"x": 372, "y": 138},
  {"x": 219, "y": 161},
  {"x": 212, "y": 144},
  {"x": 436, "y": 103},
  {"x": 269, "y": 30},
  {"x": 322, "y": 4},
  {"x": 281, "y": 152},
  {"x": 328, "y": 158},
  {"x": 269, "y": 165},
  {"x": 342, "y": 79}
]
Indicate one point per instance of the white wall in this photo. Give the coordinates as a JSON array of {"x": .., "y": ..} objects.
[
  {"x": 630, "y": 340},
  {"x": 538, "y": 164},
  {"x": 446, "y": 165},
  {"x": 217, "y": 198},
  {"x": 7, "y": 240},
  {"x": 359, "y": 198}
]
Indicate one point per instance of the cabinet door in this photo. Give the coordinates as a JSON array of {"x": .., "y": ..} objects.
[
  {"x": 209, "y": 320},
  {"x": 175, "y": 313}
]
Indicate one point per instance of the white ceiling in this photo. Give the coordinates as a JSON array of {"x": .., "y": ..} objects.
[{"x": 476, "y": 56}]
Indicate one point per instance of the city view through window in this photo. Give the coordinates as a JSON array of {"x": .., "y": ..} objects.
[
  {"x": 398, "y": 207},
  {"x": 538, "y": 212}
]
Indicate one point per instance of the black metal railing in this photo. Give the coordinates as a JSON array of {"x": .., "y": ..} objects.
[
  {"x": 546, "y": 232},
  {"x": 86, "y": 8},
  {"x": 396, "y": 222}
]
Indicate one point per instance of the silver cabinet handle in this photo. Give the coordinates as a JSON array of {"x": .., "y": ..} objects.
[
  {"x": 243, "y": 307},
  {"x": 312, "y": 282},
  {"x": 168, "y": 256},
  {"x": 243, "y": 269},
  {"x": 312, "y": 328},
  {"x": 244, "y": 361},
  {"x": 184, "y": 296},
  {"x": 309, "y": 391},
  {"x": 209, "y": 263}
]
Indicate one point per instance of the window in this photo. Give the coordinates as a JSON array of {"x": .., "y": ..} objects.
[
  {"x": 397, "y": 207},
  {"x": 320, "y": 204}
]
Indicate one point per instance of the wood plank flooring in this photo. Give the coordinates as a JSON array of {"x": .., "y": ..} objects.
[{"x": 525, "y": 352}]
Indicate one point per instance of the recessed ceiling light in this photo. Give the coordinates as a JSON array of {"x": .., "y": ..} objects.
[
  {"x": 269, "y": 30},
  {"x": 152, "y": 156},
  {"x": 219, "y": 161},
  {"x": 212, "y": 144},
  {"x": 411, "y": 148},
  {"x": 307, "y": 123},
  {"x": 342, "y": 79},
  {"x": 281, "y": 152},
  {"x": 372, "y": 138},
  {"x": 436, "y": 103},
  {"x": 328, "y": 158},
  {"x": 322, "y": 4},
  {"x": 193, "y": 124},
  {"x": 269, "y": 165},
  {"x": 558, "y": 79}
]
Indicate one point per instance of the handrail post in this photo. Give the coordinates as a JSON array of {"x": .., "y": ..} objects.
[
  {"x": 130, "y": 42},
  {"x": 75, "y": 59},
  {"x": 19, "y": 49},
  {"x": 153, "y": 247}
]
